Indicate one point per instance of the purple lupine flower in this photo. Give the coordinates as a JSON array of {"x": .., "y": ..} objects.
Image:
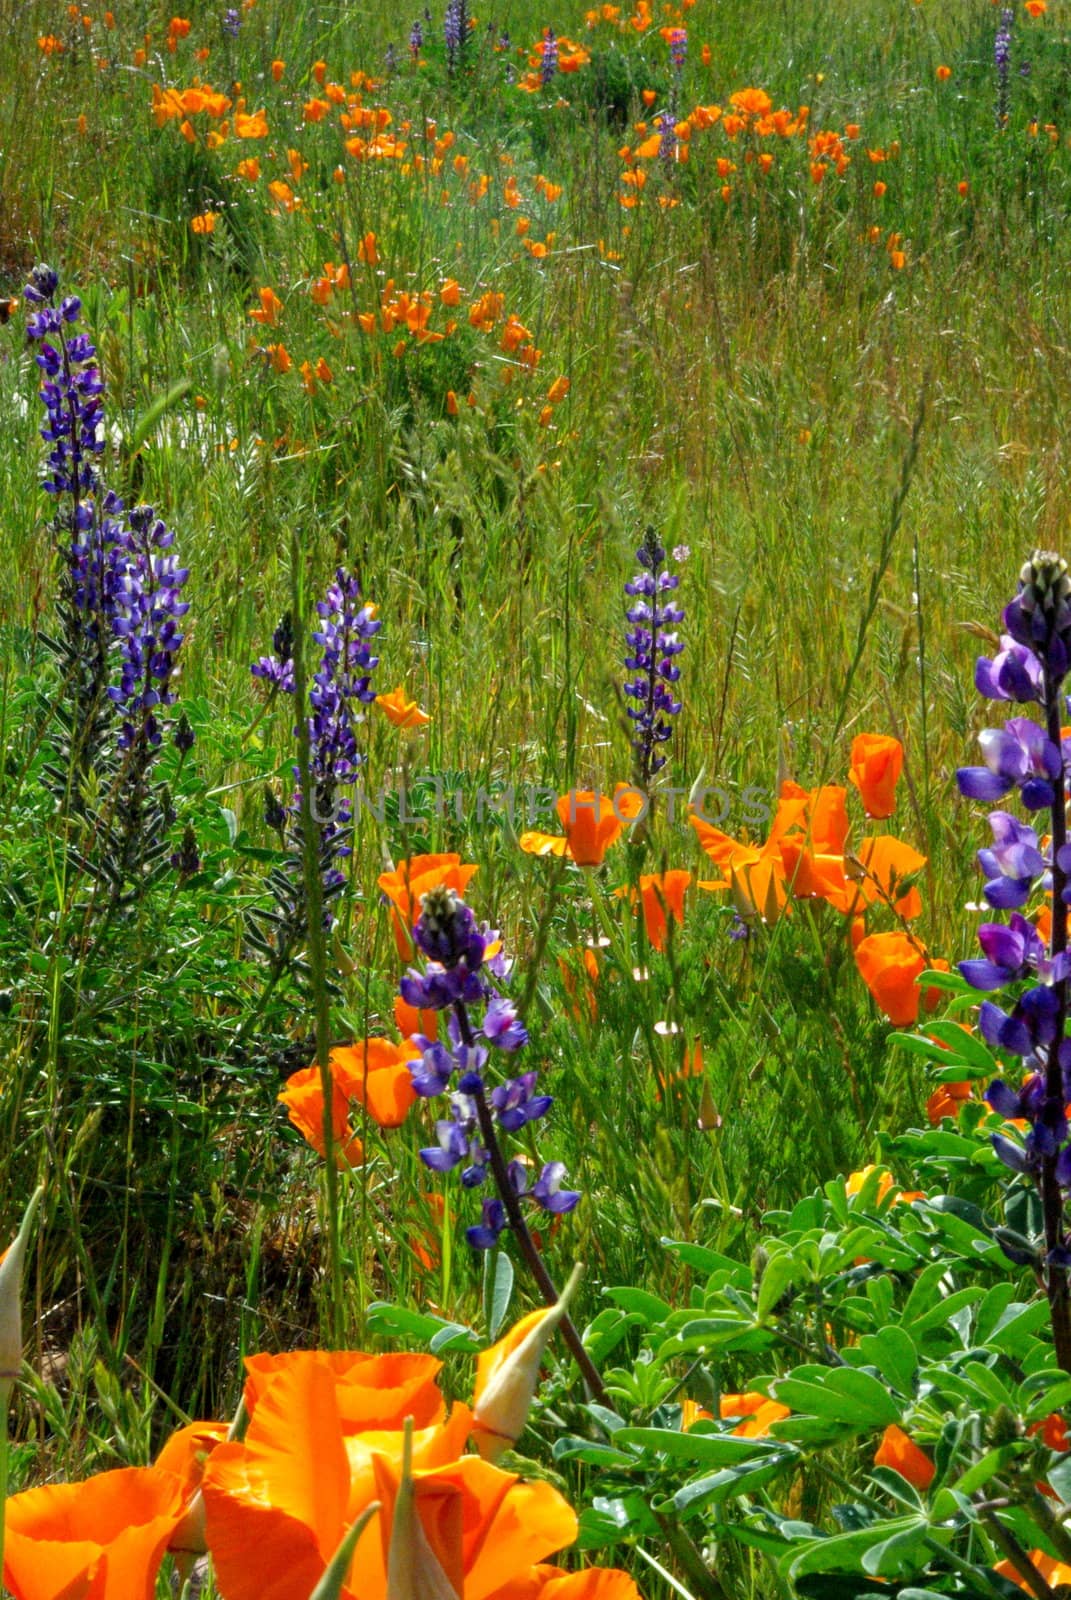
[
  {"x": 456, "y": 32},
  {"x": 548, "y": 65},
  {"x": 502, "y": 1027},
  {"x": 667, "y": 140},
  {"x": 1013, "y": 862},
  {"x": 1040, "y": 614},
  {"x": 1002, "y": 60},
  {"x": 515, "y": 1104},
  {"x": 457, "y": 975},
  {"x": 1031, "y": 665},
  {"x": 1013, "y": 674},
  {"x": 485, "y": 1235},
  {"x": 1012, "y": 951},
  {"x": 1019, "y": 754},
  {"x": 548, "y": 1192},
  {"x": 652, "y": 656},
  {"x": 232, "y": 23},
  {"x": 678, "y": 48},
  {"x": 432, "y": 1070},
  {"x": 416, "y": 39},
  {"x": 146, "y": 588},
  {"x": 339, "y": 689}
]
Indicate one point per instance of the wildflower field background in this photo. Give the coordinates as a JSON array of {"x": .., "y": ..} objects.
[{"x": 552, "y": 401}]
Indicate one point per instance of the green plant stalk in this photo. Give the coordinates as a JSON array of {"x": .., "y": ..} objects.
[
  {"x": 1052, "y": 1200},
  {"x": 310, "y": 832},
  {"x": 677, "y": 1538}
]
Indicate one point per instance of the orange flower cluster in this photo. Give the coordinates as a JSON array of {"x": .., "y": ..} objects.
[
  {"x": 372, "y": 1073},
  {"x": 331, "y": 1437},
  {"x": 571, "y": 57},
  {"x": 749, "y": 119},
  {"x": 806, "y": 856}
]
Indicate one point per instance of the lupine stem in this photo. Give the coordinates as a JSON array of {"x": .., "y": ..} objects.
[
  {"x": 315, "y": 934},
  {"x": 1052, "y": 1203},
  {"x": 512, "y": 1204}
]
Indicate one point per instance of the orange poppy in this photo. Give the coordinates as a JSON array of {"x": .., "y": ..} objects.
[
  {"x": 758, "y": 1411},
  {"x": 592, "y": 823},
  {"x": 269, "y": 309},
  {"x": 662, "y": 894},
  {"x": 946, "y": 1100},
  {"x": 552, "y": 1583},
  {"x": 103, "y": 1539},
  {"x": 408, "y": 1020},
  {"x": 187, "y": 1450},
  {"x": 877, "y": 761},
  {"x": 375, "y": 1074},
  {"x": 803, "y": 853},
  {"x": 304, "y": 1101},
  {"x": 898, "y": 1451},
  {"x": 412, "y": 879},
  {"x": 372, "y": 1393},
  {"x": 402, "y": 712},
  {"x": 692, "y": 1412},
  {"x": 279, "y": 1503},
  {"x": 887, "y": 864},
  {"x": 1052, "y": 1571},
  {"x": 1053, "y": 1431},
  {"x": 890, "y": 964}
]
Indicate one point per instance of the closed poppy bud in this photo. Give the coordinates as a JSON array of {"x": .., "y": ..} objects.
[
  {"x": 414, "y": 1571},
  {"x": 877, "y": 761},
  {"x": 507, "y": 1374},
  {"x": 11, "y": 1302}
]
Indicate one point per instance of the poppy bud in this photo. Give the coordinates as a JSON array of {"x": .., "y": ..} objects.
[
  {"x": 414, "y": 1571},
  {"x": 507, "y": 1374},
  {"x": 11, "y": 1302}
]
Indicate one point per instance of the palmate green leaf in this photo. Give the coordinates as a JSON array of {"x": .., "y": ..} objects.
[
  {"x": 779, "y": 1274},
  {"x": 894, "y": 1354},
  {"x": 705, "y": 1449},
  {"x": 642, "y": 1302},
  {"x": 844, "y": 1552},
  {"x": 851, "y": 1398},
  {"x": 571, "y": 1448},
  {"x": 731, "y": 1482}
]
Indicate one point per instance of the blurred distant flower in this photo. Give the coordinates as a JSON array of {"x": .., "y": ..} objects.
[
  {"x": 549, "y": 62},
  {"x": 232, "y": 23}
]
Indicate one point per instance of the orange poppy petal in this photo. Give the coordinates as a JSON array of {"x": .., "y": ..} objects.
[
  {"x": 102, "y": 1539},
  {"x": 543, "y": 844}
]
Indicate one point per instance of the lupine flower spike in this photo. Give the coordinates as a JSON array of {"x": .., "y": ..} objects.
[
  {"x": 465, "y": 968},
  {"x": 652, "y": 656},
  {"x": 340, "y": 689},
  {"x": 1030, "y": 757}
]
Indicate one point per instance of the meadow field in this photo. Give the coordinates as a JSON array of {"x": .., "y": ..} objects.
[{"x": 518, "y": 521}]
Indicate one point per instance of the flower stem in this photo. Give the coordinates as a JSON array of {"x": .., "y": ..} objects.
[
  {"x": 511, "y": 1201},
  {"x": 310, "y": 831},
  {"x": 1052, "y": 1203}
]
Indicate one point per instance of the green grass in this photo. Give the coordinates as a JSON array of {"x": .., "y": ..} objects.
[{"x": 744, "y": 374}]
